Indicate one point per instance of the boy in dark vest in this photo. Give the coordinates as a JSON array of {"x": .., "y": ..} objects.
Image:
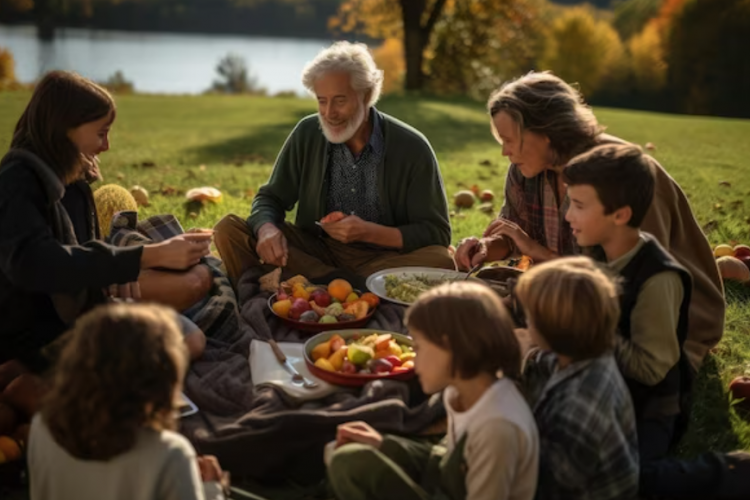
[{"x": 610, "y": 190}]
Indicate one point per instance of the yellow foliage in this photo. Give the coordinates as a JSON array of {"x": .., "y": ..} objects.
[
  {"x": 583, "y": 49},
  {"x": 379, "y": 19},
  {"x": 7, "y": 68},
  {"x": 390, "y": 58},
  {"x": 110, "y": 199},
  {"x": 647, "y": 59}
]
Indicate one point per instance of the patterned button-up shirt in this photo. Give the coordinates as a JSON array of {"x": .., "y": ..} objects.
[
  {"x": 588, "y": 442},
  {"x": 353, "y": 181},
  {"x": 533, "y": 205}
]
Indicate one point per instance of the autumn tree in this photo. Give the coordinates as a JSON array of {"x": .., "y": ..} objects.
[
  {"x": 631, "y": 16},
  {"x": 411, "y": 20},
  {"x": 478, "y": 44},
  {"x": 583, "y": 49}
]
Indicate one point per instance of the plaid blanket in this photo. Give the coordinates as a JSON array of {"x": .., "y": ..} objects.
[
  {"x": 217, "y": 314},
  {"x": 532, "y": 204}
]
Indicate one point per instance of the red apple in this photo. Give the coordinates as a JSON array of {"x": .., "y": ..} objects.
[
  {"x": 281, "y": 294},
  {"x": 740, "y": 389},
  {"x": 746, "y": 260},
  {"x": 741, "y": 251},
  {"x": 348, "y": 367},
  {"x": 299, "y": 307},
  {"x": 321, "y": 298}
]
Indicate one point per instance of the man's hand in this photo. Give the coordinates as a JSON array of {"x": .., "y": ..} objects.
[
  {"x": 470, "y": 252},
  {"x": 348, "y": 230},
  {"x": 272, "y": 245},
  {"x": 358, "y": 432}
]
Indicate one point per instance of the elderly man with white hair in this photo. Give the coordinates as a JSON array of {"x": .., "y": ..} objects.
[{"x": 367, "y": 186}]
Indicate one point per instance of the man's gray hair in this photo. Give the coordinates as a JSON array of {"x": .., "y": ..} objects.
[{"x": 352, "y": 58}]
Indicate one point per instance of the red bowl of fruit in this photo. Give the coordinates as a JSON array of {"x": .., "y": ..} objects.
[
  {"x": 319, "y": 308},
  {"x": 355, "y": 357}
]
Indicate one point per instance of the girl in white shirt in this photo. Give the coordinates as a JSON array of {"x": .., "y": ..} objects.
[
  {"x": 464, "y": 340},
  {"x": 106, "y": 429}
]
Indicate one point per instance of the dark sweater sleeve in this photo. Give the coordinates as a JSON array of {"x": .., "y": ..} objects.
[
  {"x": 281, "y": 192},
  {"x": 427, "y": 208},
  {"x": 34, "y": 260}
]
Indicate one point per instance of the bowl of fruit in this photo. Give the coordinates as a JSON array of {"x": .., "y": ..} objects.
[
  {"x": 318, "y": 308},
  {"x": 355, "y": 357}
]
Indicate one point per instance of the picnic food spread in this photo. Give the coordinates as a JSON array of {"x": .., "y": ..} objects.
[
  {"x": 372, "y": 354},
  {"x": 298, "y": 299},
  {"x": 409, "y": 288}
]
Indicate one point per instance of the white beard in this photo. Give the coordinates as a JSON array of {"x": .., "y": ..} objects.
[{"x": 348, "y": 132}]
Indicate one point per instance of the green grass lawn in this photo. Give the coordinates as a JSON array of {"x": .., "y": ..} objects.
[{"x": 231, "y": 143}]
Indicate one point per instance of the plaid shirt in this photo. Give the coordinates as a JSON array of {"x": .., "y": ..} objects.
[
  {"x": 588, "y": 441},
  {"x": 532, "y": 204}
]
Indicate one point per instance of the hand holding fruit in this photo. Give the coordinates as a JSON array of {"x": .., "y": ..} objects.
[
  {"x": 272, "y": 246},
  {"x": 347, "y": 230},
  {"x": 178, "y": 253},
  {"x": 333, "y": 217},
  {"x": 358, "y": 432}
]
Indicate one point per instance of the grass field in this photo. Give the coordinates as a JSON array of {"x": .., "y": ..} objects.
[{"x": 231, "y": 143}]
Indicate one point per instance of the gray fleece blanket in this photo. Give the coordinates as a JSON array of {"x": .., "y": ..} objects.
[{"x": 261, "y": 434}]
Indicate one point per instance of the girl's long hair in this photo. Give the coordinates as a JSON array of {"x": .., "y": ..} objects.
[
  {"x": 61, "y": 101},
  {"x": 119, "y": 372}
]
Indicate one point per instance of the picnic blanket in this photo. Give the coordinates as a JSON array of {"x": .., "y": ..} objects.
[{"x": 260, "y": 433}]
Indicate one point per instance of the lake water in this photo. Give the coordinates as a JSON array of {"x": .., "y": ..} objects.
[{"x": 156, "y": 62}]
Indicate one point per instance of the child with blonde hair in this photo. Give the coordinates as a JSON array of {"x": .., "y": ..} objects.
[
  {"x": 464, "y": 340},
  {"x": 587, "y": 433},
  {"x": 106, "y": 428}
]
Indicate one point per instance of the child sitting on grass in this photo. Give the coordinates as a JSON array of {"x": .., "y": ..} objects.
[
  {"x": 587, "y": 435},
  {"x": 105, "y": 430},
  {"x": 464, "y": 340},
  {"x": 610, "y": 190}
]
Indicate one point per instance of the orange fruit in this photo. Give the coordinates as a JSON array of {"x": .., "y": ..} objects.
[
  {"x": 282, "y": 307},
  {"x": 358, "y": 309},
  {"x": 371, "y": 299},
  {"x": 9, "y": 448},
  {"x": 339, "y": 289}
]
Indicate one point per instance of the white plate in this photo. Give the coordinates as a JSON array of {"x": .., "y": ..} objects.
[{"x": 376, "y": 281}]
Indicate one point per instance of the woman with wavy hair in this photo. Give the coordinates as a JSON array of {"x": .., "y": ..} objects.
[
  {"x": 542, "y": 122},
  {"x": 106, "y": 428}
]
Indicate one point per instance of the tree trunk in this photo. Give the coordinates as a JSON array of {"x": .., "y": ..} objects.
[
  {"x": 411, "y": 12},
  {"x": 416, "y": 37}
]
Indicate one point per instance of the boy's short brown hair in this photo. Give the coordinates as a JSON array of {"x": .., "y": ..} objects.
[
  {"x": 469, "y": 320},
  {"x": 621, "y": 175},
  {"x": 572, "y": 304}
]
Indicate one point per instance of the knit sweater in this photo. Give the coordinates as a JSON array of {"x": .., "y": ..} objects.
[{"x": 410, "y": 187}]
